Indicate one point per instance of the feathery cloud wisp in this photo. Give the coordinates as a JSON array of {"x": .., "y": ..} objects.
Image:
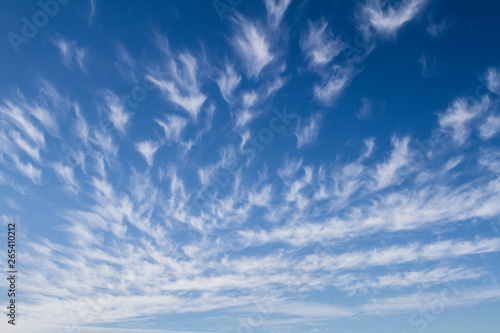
[
  {"x": 385, "y": 20},
  {"x": 148, "y": 150}
]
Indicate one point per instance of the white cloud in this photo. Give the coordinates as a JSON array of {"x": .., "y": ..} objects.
[
  {"x": 330, "y": 89},
  {"x": 438, "y": 29},
  {"x": 126, "y": 64},
  {"x": 493, "y": 80},
  {"x": 105, "y": 142},
  {"x": 11, "y": 202},
  {"x": 312, "y": 310},
  {"x": 65, "y": 173},
  {"x": 262, "y": 198},
  {"x": 117, "y": 111},
  {"x": 28, "y": 170},
  {"x": 319, "y": 44},
  {"x": 369, "y": 144},
  {"x": 397, "y": 254},
  {"x": 148, "y": 150},
  {"x": 452, "y": 163},
  {"x": 46, "y": 119},
  {"x": 32, "y": 151},
  {"x": 384, "y": 19},
  {"x": 81, "y": 127},
  {"x": 50, "y": 96},
  {"x": 49, "y": 106},
  {"x": 191, "y": 103},
  {"x": 392, "y": 212},
  {"x": 228, "y": 81},
  {"x": 92, "y": 10},
  {"x": 295, "y": 193},
  {"x": 243, "y": 117},
  {"x": 491, "y": 159},
  {"x": 291, "y": 167},
  {"x": 250, "y": 42},
  {"x": 429, "y": 65},
  {"x": 490, "y": 127},
  {"x": 249, "y": 99},
  {"x": 365, "y": 110},
  {"x": 180, "y": 83},
  {"x": 276, "y": 10},
  {"x": 405, "y": 279},
  {"x": 71, "y": 54},
  {"x": 17, "y": 116},
  {"x": 438, "y": 301},
  {"x": 459, "y": 115},
  {"x": 275, "y": 85},
  {"x": 386, "y": 173},
  {"x": 309, "y": 132},
  {"x": 173, "y": 128}
]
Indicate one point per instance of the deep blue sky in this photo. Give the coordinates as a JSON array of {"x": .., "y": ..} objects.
[{"x": 296, "y": 166}]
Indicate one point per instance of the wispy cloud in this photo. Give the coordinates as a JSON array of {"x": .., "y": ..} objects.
[
  {"x": 65, "y": 173},
  {"x": 262, "y": 198},
  {"x": 117, "y": 112},
  {"x": 458, "y": 117},
  {"x": 319, "y": 44},
  {"x": 493, "y": 80},
  {"x": 307, "y": 133},
  {"x": 331, "y": 87},
  {"x": 28, "y": 170},
  {"x": 384, "y": 19},
  {"x": 31, "y": 150},
  {"x": 290, "y": 169},
  {"x": 250, "y": 42},
  {"x": 126, "y": 64},
  {"x": 366, "y": 109},
  {"x": 180, "y": 83},
  {"x": 228, "y": 80},
  {"x": 401, "y": 254},
  {"x": 104, "y": 141},
  {"x": 185, "y": 211},
  {"x": 429, "y": 65},
  {"x": 423, "y": 278},
  {"x": 71, "y": 53},
  {"x": 438, "y": 29},
  {"x": 18, "y": 117},
  {"x": 173, "y": 128},
  {"x": 386, "y": 173},
  {"x": 81, "y": 126},
  {"x": 447, "y": 299},
  {"x": 92, "y": 10},
  {"x": 148, "y": 150},
  {"x": 276, "y": 10},
  {"x": 490, "y": 127}
]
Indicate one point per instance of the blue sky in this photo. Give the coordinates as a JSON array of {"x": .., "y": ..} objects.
[{"x": 252, "y": 166}]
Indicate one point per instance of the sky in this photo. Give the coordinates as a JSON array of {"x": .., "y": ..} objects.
[{"x": 251, "y": 165}]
